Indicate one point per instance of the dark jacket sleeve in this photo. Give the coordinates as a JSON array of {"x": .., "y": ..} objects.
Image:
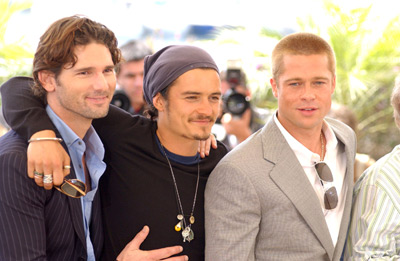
[
  {"x": 24, "y": 112},
  {"x": 22, "y": 222}
]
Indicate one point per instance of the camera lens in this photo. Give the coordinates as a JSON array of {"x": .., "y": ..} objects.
[
  {"x": 121, "y": 100},
  {"x": 236, "y": 104}
]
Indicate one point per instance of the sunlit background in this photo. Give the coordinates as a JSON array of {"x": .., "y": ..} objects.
[
  {"x": 163, "y": 22},
  {"x": 365, "y": 35}
]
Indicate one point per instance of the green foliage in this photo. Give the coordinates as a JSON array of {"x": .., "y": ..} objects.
[
  {"x": 367, "y": 64},
  {"x": 368, "y": 61}
]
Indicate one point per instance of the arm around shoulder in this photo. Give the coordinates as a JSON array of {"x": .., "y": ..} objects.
[{"x": 24, "y": 112}]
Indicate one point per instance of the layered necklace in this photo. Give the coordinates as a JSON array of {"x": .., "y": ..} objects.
[
  {"x": 322, "y": 147},
  {"x": 182, "y": 225}
]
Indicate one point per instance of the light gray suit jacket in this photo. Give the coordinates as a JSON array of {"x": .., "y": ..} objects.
[{"x": 259, "y": 204}]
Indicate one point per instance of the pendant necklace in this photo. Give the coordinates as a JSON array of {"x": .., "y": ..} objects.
[{"x": 187, "y": 232}]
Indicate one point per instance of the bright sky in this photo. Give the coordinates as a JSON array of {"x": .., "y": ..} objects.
[{"x": 127, "y": 17}]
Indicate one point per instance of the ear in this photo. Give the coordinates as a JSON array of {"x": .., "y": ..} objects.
[
  {"x": 48, "y": 80},
  {"x": 159, "y": 102},
  {"x": 333, "y": 84},
  {"x": 274, "y": 86}
]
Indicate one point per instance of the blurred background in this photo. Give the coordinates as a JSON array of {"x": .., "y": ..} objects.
[{"x": 364, "y": 34}]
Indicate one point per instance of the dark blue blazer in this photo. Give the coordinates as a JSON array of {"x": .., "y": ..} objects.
[{"x": 38, "y": 224}]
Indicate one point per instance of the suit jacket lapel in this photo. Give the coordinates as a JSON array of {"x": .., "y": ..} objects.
[
  {"x": 350, "y": 155},
  {"x": 76, "y": 208},
  {"x": 289, "y": 176}
]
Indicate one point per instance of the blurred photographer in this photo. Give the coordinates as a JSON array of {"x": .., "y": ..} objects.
[
  {"x": 129, "y": 92},
  {"x": 239, "y": 118}
]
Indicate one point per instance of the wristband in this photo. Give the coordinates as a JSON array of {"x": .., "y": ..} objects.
[{"x": 45, "y": 139}]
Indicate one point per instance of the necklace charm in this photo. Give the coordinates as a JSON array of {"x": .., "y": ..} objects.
[
  {"x": 178, "y": 226},
  {"x": 191, "y": 236},
  {"x": 187, "y": 234}
]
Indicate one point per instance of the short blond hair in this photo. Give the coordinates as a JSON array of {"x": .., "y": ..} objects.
[{"x": 301, "y": 44}]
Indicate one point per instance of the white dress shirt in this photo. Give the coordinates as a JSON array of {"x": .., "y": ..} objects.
[{"x": 335, "y": 158}]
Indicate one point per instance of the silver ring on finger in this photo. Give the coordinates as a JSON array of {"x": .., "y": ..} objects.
[
  {"x": 37, "y": 175},
  {"x": 67, "y": 167},
  {"x": 48, "y": 179}
]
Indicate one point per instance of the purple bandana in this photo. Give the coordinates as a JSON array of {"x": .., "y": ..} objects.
[{"x": 166, "y": 65}]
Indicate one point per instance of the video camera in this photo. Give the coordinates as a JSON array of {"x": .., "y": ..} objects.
[{"x": 234, "y": 102}]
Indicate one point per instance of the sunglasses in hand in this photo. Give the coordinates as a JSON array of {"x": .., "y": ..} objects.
[{"x": 74, "y": 188}]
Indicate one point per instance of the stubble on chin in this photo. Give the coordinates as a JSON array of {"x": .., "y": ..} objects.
[
  {"x": 96, "y": 113},
  {"x": 201, "y": 137}
]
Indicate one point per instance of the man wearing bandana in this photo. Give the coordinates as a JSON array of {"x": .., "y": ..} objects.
[{"x": 154, "y": 175}]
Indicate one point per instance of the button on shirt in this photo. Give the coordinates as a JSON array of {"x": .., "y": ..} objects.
[
  {"x": 93, "y": 148},
  {"x": 335, "y": 158}
]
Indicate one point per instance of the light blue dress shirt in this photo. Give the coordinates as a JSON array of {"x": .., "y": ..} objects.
[{"x": 93, "y": 148}]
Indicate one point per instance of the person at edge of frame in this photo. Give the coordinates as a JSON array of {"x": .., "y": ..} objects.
[{"x": 374, "y": 227}]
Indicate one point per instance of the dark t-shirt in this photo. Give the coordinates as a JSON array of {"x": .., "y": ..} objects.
[{"x": 137, "y": 188}]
